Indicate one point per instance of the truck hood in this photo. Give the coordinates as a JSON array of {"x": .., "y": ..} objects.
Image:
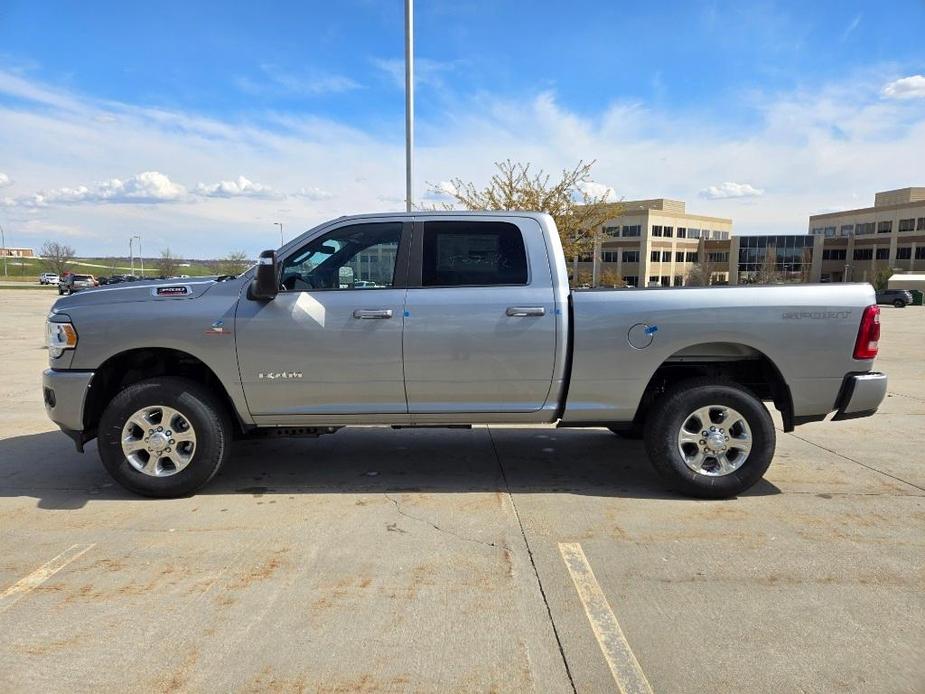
[{"x": 128, "y": 292}]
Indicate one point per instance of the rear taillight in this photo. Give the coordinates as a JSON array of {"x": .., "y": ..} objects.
[{"x": 868, "y": 334}]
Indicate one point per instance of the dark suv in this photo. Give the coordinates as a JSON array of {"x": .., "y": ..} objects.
[{"x": 900, "y": 298}]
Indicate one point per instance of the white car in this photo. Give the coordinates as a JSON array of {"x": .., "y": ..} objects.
[{"x": 48, "y": 278}]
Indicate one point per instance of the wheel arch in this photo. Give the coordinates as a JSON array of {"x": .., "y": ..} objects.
[
  {"x": 132, "y": 365},
  {"x": 732, "y": 361}
]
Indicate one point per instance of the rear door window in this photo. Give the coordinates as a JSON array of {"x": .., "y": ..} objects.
[{"x": 472, "y": 254}]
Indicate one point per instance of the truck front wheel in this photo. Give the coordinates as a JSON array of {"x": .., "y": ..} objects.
[
  {"x": 164, "y": 437},
  {"x": 710, "y": 440}
]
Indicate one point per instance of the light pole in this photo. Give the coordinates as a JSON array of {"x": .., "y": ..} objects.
[
  {"x": 140, "y": 258},
  {"x": 131, "y": 254},
  {"x": 409, "y": 100},
  {"x": 280, "y": 225},
  {"x": 3, "y": 249}
]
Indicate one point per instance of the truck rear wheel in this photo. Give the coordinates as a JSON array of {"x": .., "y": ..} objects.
[
  {"x": 164, "y": 437},
  {"x": 710, "y": 440}
]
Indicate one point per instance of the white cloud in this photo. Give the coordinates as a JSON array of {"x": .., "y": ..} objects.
[
  {"x": 5, "y": 180},
  {"x": 276, "y": 80},
  {"x": 730, "y": 189},
  {"x": 804, "y": 145},
  {"x": 912, "y": 87},
  {"x": 146, "y": 187},
  {"x": 598, "y": 190},
  {"x": 240, "y": 187},
  {"x": 314, "y": 193}
]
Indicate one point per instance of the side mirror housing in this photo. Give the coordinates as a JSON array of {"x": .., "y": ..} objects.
[{"x": 266, "y": 282}]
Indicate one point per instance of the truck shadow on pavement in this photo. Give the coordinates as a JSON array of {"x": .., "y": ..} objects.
[{"x": 595, "y": 462}]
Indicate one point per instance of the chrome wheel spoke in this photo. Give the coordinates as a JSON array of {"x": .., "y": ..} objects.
[
  {"x": 150, "y": 468},
  {"x": 725, "y": 465},
  {"x": 704, "y": 415},
  {"x": 183, "y": 436},
  {"x": 741, "y": 443},
  {"x": 695, "y": 462},
  {"x": 689, "y": 437},
  {"x": 130, "y": 446}
]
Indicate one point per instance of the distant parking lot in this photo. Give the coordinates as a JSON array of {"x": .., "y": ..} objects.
[{"x": 492, "y": 559}]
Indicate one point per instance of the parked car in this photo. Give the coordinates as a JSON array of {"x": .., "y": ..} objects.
[
  {"x": 48, "y": 278},
  {"x": 900, "y": 298},
  {"x": 74, "y": 283},
  {"x": 473, "y": 323},
  {"x": 100, "y": 281}
]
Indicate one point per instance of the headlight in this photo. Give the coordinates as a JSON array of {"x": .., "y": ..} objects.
[{"x": 60, "y": 336}]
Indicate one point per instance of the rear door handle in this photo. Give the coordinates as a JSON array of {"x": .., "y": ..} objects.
[
  {"x": 366, "y": 313},
  {"x": 522, "y": 311}
]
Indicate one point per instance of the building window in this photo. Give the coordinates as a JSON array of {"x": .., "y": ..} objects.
[
  {"x": 863, "y": 253},
  {"x": 834, "y": 254},
  {"x": 864, "y": 228},
  {"x": 679, "y": 256},
  {"x": 656, "y": 230},
  {"x": 612, "y": 231},
  {"x": 678, "y": 281},
  {"x": 721, "y": 235},
  {"x": 669, "y": 232},
  {"x": 585, "y": 258},
  {"x": 885, "y": 227},
  {"x": 920, "y": 253},
  {"x": 630, "y": 256},
  {"x": 610, "y": 256},
  {"x": 631, "y": 280},
  {"x": 682, "y": 233},
  {"x": 846, "y": 229},
  {"x": 921, "y": 224},
  {"x": 654, "y": 256},
  {"x": 718, "y": 257},
  {"x": 653, "y": 279},
  {"x": 665, "y": 281},
  {"x": 693, "y": 233},
  {"x": 666, "y": 256},
  {"x": 631, "y": 230},
  {"x": 883, "y": 254},
  {"x": 690, "y": 257},
  {"x": 904, "y": 253},
  {"x": 818, "y": 231},
  {"x": 830, "y": 232},
  {"x": 907, "y": 224}
]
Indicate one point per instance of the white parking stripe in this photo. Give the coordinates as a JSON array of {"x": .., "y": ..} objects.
[
  {"x": 623, "y": 664},
  {"x": 41, "y": 574}
]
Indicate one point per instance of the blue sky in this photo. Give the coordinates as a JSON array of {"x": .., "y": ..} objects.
[{"x": 138, "y": 117}]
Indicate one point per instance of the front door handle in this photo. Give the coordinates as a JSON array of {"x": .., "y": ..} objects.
[
  {"x": 365, "y": 313},
  {"x": 522, "y": 311}
]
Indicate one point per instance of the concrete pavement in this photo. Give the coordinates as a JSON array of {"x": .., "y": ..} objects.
[{"x": 430, "y": 560}]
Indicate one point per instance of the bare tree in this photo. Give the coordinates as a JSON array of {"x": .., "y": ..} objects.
[
  {"x": 578, "y": 212},
  {"x": 768, "y": 273},
  {"x": 234, "y": 263},
  {"x": 57, "y": 257},
  {"x": 167, "y": 264},
  {"x": 700, "y": 275}
]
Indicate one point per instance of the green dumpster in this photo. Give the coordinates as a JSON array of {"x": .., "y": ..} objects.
[{"x": 917, "y": 297}]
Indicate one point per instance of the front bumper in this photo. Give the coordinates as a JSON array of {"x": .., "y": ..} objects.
[
  {"x": 860, "y": 395},
  {"x": 65, "y": 394}
]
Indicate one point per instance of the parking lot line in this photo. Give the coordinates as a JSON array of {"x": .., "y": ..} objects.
[
  {"x": 623, "y": 664},
  {"x": 41, "y": 574}
]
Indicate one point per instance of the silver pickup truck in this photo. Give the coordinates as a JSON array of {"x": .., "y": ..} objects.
[{"x": 430, "y": 319}]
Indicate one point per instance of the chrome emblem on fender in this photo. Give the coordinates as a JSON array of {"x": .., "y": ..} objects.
[{"x": 285, "y": 375}]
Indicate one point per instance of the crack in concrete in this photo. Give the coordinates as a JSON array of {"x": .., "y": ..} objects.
[
  {"x": 857, "y": 462},
  {"x": 536, "y": 573},
  {"x": 402, "y": 512}
]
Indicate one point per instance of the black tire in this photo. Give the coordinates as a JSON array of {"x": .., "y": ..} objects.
[
  {"x": 633, "y": 432},
  {"x": 207, "y": 415},
  {"x": 60, "y": 291},
  {"x": 665, "y": 421},
  {"x": 899, "y": 303}
]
